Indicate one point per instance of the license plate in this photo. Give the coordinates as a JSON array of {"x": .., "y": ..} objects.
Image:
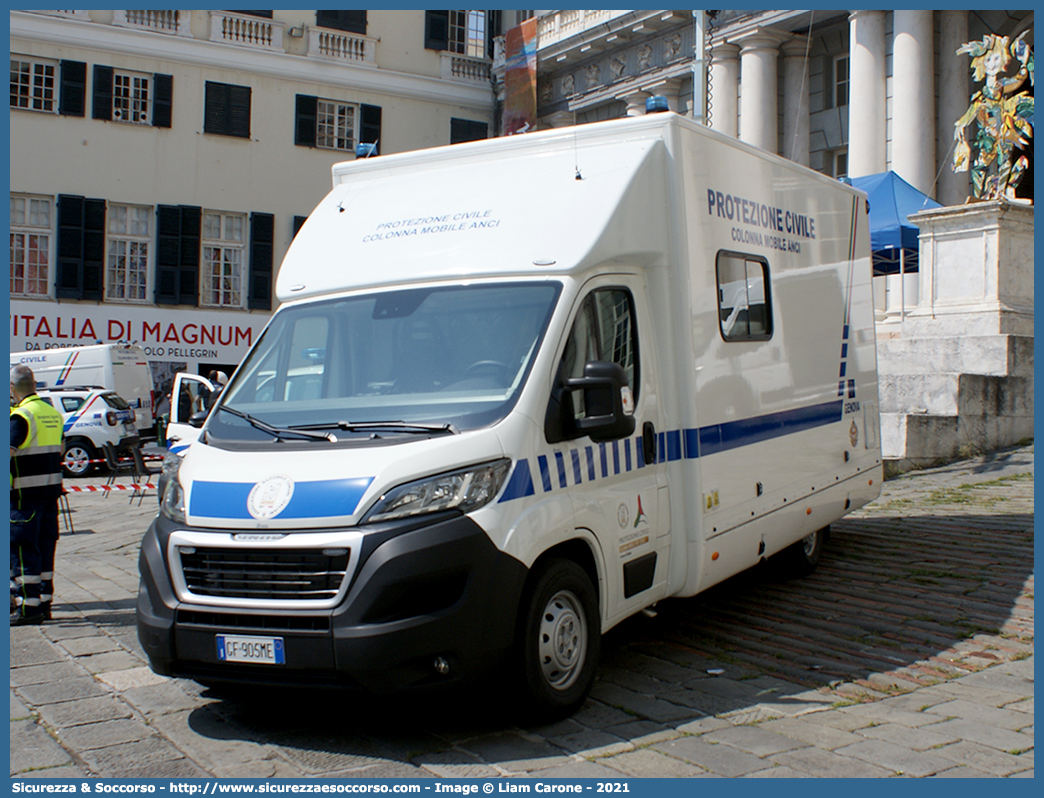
[{"x": 256, "y": 650}]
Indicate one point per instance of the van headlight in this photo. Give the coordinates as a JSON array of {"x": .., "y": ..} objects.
[
  {"x": 465, "y": 490},
  {"x": 172, "y": 503}
]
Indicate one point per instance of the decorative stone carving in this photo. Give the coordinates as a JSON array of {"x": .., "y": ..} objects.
[
  {"x": 568, "y": 86},
  {"x": 616, "y": 66},
  {"x": 671, "y": 46},
  {"x": 593, "y": 75},
  {"x": 644, "y": 56}
]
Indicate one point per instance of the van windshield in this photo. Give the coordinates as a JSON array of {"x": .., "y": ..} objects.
[{"x": 456, "y": 355}]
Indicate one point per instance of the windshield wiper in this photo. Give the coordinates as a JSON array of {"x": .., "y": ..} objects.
[
  {"x": 278, "y": 432},
  {"x": 367, "y": 426}
]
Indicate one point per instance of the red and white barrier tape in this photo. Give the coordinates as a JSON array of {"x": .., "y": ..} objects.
[{"x": 103, "y": 488}]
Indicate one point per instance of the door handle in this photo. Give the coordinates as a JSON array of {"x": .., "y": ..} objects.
[{"x": 649, "y": 442}]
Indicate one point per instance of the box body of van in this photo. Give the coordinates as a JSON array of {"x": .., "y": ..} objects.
[
  {"x": 517, "y": 391},
  {"x": 122, "y": 368}
]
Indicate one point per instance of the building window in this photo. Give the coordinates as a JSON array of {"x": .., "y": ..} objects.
[
  {"x": 130, "y": 98},
  {"x": 227, "y": 110},
  {"x": 223, "y": 254},
  {"x": 30, "y": 245},
  {"x": 841, "y": 77},
  {"x": 839, "y": 163},
  {"x": 127, "y": 265},
  {"x": 335, "y": 125},
  {"x": 33, "y": 85},
  {"x": 467, "y": 33},
  {"x": 744, "y": 309},
  {"x": 464, "y": 32}
]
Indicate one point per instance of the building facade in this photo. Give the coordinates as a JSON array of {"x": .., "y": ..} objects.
[
  {"x": 162, "y": 161},
  {"x": 848, "y": 93}
]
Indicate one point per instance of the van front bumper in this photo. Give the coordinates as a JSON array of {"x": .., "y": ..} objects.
[{"x": 434, "y": 588}]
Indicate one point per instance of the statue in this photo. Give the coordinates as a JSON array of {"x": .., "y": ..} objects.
[{"x": 1005, "y": 119}]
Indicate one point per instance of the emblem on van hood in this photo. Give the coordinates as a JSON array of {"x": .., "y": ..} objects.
[{"x": 269, "y": 497}]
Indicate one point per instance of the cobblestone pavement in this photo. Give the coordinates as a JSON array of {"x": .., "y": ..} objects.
[{"x": 909, "y": 652}]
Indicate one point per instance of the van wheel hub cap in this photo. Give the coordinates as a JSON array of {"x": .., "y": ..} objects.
[{"x": 562, "y": 646}]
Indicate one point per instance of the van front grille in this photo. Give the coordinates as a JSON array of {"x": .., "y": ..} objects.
[{"x": 284, "y": 574}]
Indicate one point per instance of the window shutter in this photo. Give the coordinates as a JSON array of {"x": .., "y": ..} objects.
[
  {"x": 215, "y": 111},
  {"x": 72, "y": 100},
  {"x": 305, "y": 120},
  {"x": 102, "y": 103},
  {"x": 262, "y": 231},
  {"x": 168, "y": 253},
  {"x": 93, "y": 248},
  {"x": 467, "y": 130},
  {"x": 436, "y": 30},
  {"x": 162, "y": 100},
  {"x": 370, "y": 127},
  {"x": 81, "y": 247},
  {"x": 239, "y": 111},
  {"x": 351, "y": 21},
  {"x": 298, "y": 222},
  {"x": 492, "y": 30},
  {"x": 177, "y": 254},
  {"x": 70, "y": 246}
]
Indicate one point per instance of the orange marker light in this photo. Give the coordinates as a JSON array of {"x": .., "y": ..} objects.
[
  {"x": 808, "y": 511},
  {"x": 714, "y": 556}
]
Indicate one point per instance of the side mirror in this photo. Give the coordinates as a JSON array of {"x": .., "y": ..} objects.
[
  {"x": 603, "y": 386},
  {"x": 196, "y": 419}
]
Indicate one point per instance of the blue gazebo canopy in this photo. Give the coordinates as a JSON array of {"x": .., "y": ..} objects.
[{"x": 892, "y": 200}]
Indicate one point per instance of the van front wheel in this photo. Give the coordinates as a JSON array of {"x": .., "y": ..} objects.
[{"x": 560, "y": 637}]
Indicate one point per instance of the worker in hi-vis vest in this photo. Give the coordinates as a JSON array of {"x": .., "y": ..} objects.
[{"x": 36, "y": 485}]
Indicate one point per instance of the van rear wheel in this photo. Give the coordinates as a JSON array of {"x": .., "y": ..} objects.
[
  {"x": 559, "y": 637},
  {"x": 802, "y": 557},
  {"x": 76, "y": 462}
]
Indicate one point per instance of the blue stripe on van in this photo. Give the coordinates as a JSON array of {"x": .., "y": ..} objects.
[
  {"x": 560, "y": 465},
  {"x": 722, "y": 437},
  {"x": 320, "y": 499},
  {"x": 688, "y": 444},
  {"x": 674, "y": 450},
  {"x": 545, "y": 473},
  {"x": 520, "y": 484},
  {"x": 576, "y": 466}
]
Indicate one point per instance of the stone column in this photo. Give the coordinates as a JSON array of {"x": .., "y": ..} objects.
[
  {"x": 866, "y": 105},
  {"x": 795, "y": 100},
  {"x": 913, "y": 116},
  {"x": 759, "y": 104},
  {"x": 954, "y": 187},
  {"x": 724, "y": 87},
  {"x": 635, "y": 102}
]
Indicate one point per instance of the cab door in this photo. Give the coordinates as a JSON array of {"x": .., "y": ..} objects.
[
  {"x": 186, "y": 397},
  {"x": 618, "y": 487}
]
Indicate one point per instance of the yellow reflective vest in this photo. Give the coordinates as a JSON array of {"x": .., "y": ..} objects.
[{"x": 36, "y": 465}]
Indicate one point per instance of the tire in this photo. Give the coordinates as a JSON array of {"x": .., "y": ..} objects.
[
  {"x": 559, "y": 638},
  {"x": 802, "y": 557},
  {"x": 77, "y": 457}
]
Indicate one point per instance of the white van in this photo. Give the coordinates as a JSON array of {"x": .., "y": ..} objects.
[
  {"x": 122, "y": 368},
  {"x": 498, "y": 412}
]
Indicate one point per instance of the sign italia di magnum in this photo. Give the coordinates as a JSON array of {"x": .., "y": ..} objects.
[{"x": 164, "y": 334}]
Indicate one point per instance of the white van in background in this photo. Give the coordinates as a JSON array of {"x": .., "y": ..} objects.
[
  {"x": 518, "y": 390},
  {"x": 122, "y": 368}
]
